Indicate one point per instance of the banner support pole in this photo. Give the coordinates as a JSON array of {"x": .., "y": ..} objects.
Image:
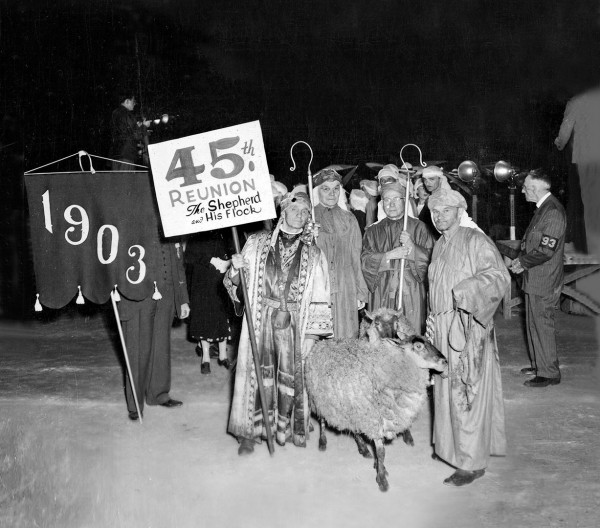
[
  {"x": 252, "y": 335},
  {"x": 116, "y": 310}
]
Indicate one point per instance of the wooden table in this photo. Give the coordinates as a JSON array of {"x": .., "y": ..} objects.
[{"x": 577, "y": 266}]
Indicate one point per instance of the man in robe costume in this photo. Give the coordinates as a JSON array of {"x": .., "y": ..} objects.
[
  {"x": 384, "y": 244},
  {"x": 467, "y": 280},
  {"x": 390, "y": 174},
  {"x": 285, "y": 271},
  {"x": 340, "y": 240},
  {"x": 371, "y": 190}
]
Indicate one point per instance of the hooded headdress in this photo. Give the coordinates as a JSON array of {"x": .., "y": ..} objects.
[{"x": 447, "y": 198}]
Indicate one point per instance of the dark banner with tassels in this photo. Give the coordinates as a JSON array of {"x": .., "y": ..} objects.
[{"x": 92, "y": 232}]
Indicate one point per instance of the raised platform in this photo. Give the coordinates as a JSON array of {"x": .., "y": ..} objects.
[{"x": 577, "y": 266}]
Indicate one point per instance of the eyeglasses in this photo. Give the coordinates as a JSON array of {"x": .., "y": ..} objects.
[{"x": 394, "y": 201}]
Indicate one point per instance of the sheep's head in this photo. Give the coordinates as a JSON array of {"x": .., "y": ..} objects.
[
  {"x": 386, "y": 322},
  {"x": 425, "y": 354}
]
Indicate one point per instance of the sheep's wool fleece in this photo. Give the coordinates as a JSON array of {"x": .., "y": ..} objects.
[
  {"x": 370, "y": 388},
  {"x": 467, "y": 270}
]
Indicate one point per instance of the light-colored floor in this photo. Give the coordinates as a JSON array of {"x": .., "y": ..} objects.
[{"x": 69, "y": 456}]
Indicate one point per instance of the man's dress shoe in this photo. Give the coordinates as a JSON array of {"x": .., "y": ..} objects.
[
  {"x": 205, "y": 368},
  {"x": 171, "y": 403},
  {"x": 461, "y": 477},
  {"x": 133, "y": 415},
  {"x": 540, "y": 381},
  {"x": 528, "y": 370}
]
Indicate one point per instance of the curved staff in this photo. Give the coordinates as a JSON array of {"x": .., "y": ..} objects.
[
  {"x": 310, "y": 184},
  {"x": 252, "y": 335},
  {"x": 406, "y": 200}
]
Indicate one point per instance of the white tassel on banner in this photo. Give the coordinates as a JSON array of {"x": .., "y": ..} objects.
[
  {"x": 156, "y": 295},
  {"x": 116, "y": 295},
  {"x": 80, "y": 299},
  {"x": 38, "y": 305}
]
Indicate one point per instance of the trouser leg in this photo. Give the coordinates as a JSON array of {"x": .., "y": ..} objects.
[
  {"x": 137, "y": 331},
  {"x": 530, "y": 331},
  {"x": 540, "y": 324},
  {"x": 159, "y": 377}
]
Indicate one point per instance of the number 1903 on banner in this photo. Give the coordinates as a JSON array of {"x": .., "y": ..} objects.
[{"x": 212, "y": 180}]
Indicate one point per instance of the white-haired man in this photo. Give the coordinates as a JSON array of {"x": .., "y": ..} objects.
[
  {"x": 541, "y": 262},
  {"x": 467, "y": 281}
]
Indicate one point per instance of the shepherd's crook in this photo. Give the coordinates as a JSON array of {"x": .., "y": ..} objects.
[
  {"x": 406, "y": 200},
  {"x": 310, "y": 185}
]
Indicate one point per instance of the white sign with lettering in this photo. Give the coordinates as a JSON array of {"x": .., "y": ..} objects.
[{"x": 212, "y": 180}]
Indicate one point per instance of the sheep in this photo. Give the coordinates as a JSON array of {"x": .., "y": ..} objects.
[
  {"x": 375, "y": 388},
  {"x": 388, "y": 323}
]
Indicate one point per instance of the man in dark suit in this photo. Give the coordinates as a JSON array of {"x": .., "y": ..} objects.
[
  {"x": 147, "y": 331},
  {"x": 126, "y": 134},
  {"x": 541, "y": 262}
]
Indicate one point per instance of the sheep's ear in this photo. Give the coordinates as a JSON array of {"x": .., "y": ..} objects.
[{"x": 368, "y": 316}]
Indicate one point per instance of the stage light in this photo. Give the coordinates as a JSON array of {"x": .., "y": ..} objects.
[
  {"x": 468, "y": 171},
  {"x": 165, "y": 119},
  {"x": 504, "y": 171}
]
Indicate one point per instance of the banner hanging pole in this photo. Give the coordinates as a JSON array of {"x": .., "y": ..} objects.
[
  {"x": 252, "y": 335},
  {"x": 116, "y": 310}
]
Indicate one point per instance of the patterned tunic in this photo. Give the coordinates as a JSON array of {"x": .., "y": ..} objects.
[{"x": 282, "y": 366}]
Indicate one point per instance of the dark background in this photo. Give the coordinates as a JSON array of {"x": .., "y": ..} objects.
[{"x": 466, "y": 79}]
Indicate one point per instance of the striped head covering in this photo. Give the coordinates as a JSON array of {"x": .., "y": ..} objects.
[{"x": 326, "y": 175}]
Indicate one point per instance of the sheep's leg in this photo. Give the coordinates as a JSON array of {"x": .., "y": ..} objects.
[
  {"x": 322, "y": 437},
  {"x": 381, "y": 471},
  {"x": 408, "y": 438},
  {"x": 363, "y": 448}
]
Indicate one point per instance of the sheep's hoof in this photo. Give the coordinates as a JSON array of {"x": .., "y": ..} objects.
[
  {"x": 408, "y": 438},
  {"x": 382, "y": 483},
  {"x": 322, "y": 444},
  {"x": 365, "y": 451}
]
